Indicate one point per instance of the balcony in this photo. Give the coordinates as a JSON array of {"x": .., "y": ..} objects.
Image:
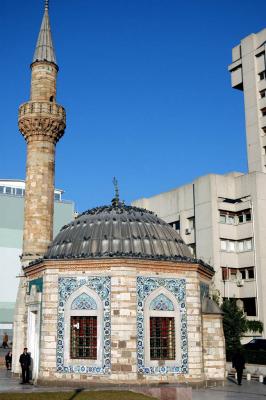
[
  {"x": 42, "y": 120},
  {"x": 43, "y": 108}
]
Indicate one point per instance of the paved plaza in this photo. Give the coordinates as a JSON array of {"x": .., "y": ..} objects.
[{"x": 231, "y": 391}]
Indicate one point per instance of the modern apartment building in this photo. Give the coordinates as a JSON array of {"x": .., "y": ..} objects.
[
  {"x": 248, "y": 73},
  {"x": 11, "y": 231},
  {"x": 223, "y": 217}
]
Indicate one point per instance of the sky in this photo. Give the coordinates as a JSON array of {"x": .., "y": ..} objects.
[{"x": 145, "y": 86}]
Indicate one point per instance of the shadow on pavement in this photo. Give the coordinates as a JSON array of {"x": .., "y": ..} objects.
[
  {"x": 232, "y": 380},
  {"x": 77, "y": 391}
]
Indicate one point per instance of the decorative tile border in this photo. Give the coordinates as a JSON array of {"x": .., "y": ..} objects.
[
  {"x": 145, "y": 286},
  {"x": 102, "y": 286}
]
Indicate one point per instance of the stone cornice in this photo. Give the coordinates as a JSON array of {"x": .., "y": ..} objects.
[{"x": 107, "y": 264}]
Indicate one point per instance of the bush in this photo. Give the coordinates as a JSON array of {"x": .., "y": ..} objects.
[{"x": 254, "y": 326}]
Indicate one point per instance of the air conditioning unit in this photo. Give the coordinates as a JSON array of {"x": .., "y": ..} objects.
[{"x": 187, "y": 231}]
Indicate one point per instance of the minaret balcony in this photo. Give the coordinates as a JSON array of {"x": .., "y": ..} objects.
[
  {"x": 42, "y": 120},
  {"x": 42, "y": 107}
]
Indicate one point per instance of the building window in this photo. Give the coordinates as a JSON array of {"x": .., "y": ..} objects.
[
  {"x": 8, "y": 190},
  {"x": 83, "y": 337},
  {"x": 228, "y": 217},
  {"x": 231, "y": 245},
  {"x": 83, "y": 327},
  {"x": 249, "y": 306},
  {"x": 244, "y": 216},
  {"x": 223, "y": 245},
  {"x": 1, "y": 189},
  {"x": 162, "y": 338},
  {"x": 262, "y": 75},
  {"x": 245, "y": 245},
  {"x": 222, "y": 218},
  {"x": 233, "y": 273},
  {"x": 250, "y": 273},
  {"x": 19, "y": 192},
  {"x": 175, "y": 225},
  {"x": 204, "y": 290},
  {"x": 231, "y": 219},
  {"x": 57, "y": 197},
  {"x": 236, "y": 246},
  {"x": 243, "y": 273},
  {"x": 263, "y": 112},
  {"x": 262, "y": 93},
  {"x": 162, "y": 329},
  {"x": 225, "y": 273}
]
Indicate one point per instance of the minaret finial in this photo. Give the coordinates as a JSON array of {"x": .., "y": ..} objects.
[
  {"x": 116, "y": 199},
  {"x": 46, "y": 5}
]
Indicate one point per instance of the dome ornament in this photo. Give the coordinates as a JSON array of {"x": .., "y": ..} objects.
[
  {"x": 116, "y": 201},
  {"x": 46, "y": 5}
]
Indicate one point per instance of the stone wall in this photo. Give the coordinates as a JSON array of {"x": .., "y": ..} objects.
[{"x": 213, "y": 346}]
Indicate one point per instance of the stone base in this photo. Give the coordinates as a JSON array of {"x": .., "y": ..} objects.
[{"x": 96, "y": 383}]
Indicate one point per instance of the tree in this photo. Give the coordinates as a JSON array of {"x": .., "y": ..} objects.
[{"x": 235, "y": 325}]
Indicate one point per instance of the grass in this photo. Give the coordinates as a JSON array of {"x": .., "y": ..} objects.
[{"x": 76, "y": 395}]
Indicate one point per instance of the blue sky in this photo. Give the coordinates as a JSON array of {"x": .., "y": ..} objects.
[{"x": 145, "y": 86}]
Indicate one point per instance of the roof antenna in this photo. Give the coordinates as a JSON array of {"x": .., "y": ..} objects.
[
  {"x": 116, "y": 201},
  {"x": 46, "y": 5}
]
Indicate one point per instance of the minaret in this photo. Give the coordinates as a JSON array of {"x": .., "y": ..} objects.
[{"x": 42, "y": 122}]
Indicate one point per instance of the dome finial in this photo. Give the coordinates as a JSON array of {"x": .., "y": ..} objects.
[
  {"x": 46, "y": 5},
  {"x": 116, "y": 201}
]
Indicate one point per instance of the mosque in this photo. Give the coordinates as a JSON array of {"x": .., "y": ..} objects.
[{"x": 116, "y": 297}]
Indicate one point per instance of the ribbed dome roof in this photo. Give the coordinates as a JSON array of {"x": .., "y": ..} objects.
[{"x": 118, "y": 231}]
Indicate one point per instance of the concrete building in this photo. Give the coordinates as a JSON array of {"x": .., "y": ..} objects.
[
  {"x": 11, "y": 236},
  {"x": 222, "y": 218}
]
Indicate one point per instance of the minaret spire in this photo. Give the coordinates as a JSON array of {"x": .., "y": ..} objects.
[{"x": 44, "y": 50}]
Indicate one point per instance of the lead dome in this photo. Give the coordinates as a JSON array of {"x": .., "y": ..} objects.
[{"x": 118, "y": 231}]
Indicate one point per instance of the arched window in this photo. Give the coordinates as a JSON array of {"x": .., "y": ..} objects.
[
  {"x": 83, "y": 327},
  {"x": 162, "y": 329}
]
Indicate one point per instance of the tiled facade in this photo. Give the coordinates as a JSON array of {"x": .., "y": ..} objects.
[{"x": 124, "y": 288}]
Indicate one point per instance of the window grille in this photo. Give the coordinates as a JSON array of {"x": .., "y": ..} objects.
[
  {"x": 83, "y": 337},
  {"x": 162, "y": 338}
]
